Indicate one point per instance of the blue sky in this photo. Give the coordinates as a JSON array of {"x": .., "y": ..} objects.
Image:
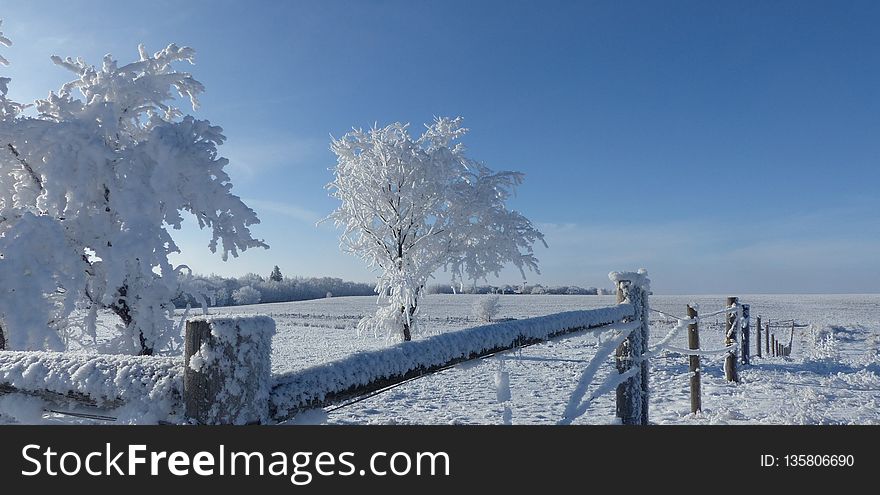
[{"x": 727, "y": 147}]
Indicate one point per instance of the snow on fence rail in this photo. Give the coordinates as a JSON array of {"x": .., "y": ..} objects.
[
  {"x": 95, "y": 380},
  {"x": 224, "y": 378}
]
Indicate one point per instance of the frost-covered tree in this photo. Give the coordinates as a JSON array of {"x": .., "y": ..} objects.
[
  {"x": 246, "y": 295},
  {"x": 411, "y": 206},
  {"x": 276, "y": 275},
  {"x": 90, "y": 186},
  {"x": 485, "y": 308}
]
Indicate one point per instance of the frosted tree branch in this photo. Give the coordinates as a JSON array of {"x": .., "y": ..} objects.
[{"x": 115, "y": 165}]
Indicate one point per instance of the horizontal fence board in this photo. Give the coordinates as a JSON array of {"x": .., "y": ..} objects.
[
  {"x": 107, "y": 381},
  {"x": 369, "y": 371}
]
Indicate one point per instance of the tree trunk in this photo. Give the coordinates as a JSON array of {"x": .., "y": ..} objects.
[
  {"x": 146, "y": 349},
  {"x": 123, "y": 311},
  {"x": 407, "y": 333}
]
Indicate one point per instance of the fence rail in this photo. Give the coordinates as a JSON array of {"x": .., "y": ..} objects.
[{"x": 106, "y": 381}]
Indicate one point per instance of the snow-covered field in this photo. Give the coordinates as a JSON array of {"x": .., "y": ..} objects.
[
  {"x": 815, "y": 385},
  {"x": 824, "y": 381}
]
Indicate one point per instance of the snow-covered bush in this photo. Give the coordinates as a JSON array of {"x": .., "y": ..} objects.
[
  {"x": 90, "y": 188},
  {"x": 246, "y": 295},
  {"x": 823, "y": 346},
  {"x": 221, "y": 297},
  {"x": 872, "y": 349},
  {"x": 485, "y": 308},
  {"x": 412, "y": 206}
]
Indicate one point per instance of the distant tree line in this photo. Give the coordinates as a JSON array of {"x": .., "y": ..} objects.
[
  {"x": 253, "y": 288},
  {"x": 518, "y": 289}
]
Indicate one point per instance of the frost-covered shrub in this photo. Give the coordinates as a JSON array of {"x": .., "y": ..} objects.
[
  {"x": 221, "y": 297},
  {"x": 823, "y": 345},
  {"x": 485, "y": 308},
  {"x": 246, "y": 295},
  {"x": 872, "y": 352}
]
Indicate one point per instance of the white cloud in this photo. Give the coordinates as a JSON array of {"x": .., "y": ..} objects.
[
  {"x": 816, "y": 252},
  {"x": 287, "y": 209},
  {"x": 252, "y": 158}
]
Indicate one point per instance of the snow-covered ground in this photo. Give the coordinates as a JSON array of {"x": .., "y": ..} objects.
[
  {"x": 824, "y": 381},
  {"x": 815, "y": 385}
]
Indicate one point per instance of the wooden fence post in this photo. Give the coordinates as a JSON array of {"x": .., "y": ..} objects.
[
  {"x": 694, "y": 361},
  {"x": 730, "y": 339},
  {"x": 2, "y": 339},
  {"x": 746, "y": 329},
  {"x": 758, "y": 328},
  {"x": 773, "y": 345},
  {"x": 227, "y": 372},
  {"x": 632, "y": 395},
  {"x": 767, "y": 340}
]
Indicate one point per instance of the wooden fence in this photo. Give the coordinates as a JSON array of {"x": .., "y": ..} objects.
[
  {"x": 225, "y": 374},
  {"x": 738, "y": 325}
]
